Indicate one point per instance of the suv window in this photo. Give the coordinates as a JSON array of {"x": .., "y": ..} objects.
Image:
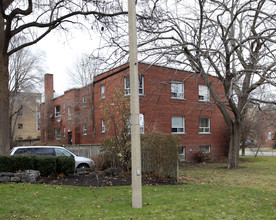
[
  {"x": 23, "y": 151},
  {"x": 43, "y": 151},
  {"x": 62, "y": 152}
]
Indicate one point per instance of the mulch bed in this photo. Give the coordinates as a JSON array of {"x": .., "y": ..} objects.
[{"x": 99, "y": 180}]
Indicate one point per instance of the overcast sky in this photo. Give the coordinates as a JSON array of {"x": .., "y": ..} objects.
[{"x": 60, "y": 54}]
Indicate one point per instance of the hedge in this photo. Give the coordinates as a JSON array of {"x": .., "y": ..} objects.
[{"x": 47, "y": 165}]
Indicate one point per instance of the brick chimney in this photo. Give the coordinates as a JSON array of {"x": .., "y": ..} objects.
[{"x": 49, "y": 87}]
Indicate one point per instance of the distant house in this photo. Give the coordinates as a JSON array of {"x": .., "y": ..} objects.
[
  {"x": 25, "y": 117},
  {"x": 171, "y": 101}
]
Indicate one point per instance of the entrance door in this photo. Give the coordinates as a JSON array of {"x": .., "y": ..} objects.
[{"x": 69, "y": 137}]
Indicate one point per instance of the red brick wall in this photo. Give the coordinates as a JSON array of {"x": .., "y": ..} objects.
[
  {"x": 158, "y": 108},
  {"x": 156, "y": 105}
]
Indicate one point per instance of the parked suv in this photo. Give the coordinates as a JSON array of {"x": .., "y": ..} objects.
[{"x": 80, "y": 162}]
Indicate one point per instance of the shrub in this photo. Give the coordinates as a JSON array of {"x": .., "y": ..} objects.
[
  {"x": 100, "y": 161},
  {"x": 117, "y": 151},
  {"x": 201, "y": 156},
  {"x": 6, "y": 164},
  {"x": 160, "y": 155},
  {"x": 23, "y": 162},
  {"x": 65, "y": 165},
  {"x": 45, "y": 164}
]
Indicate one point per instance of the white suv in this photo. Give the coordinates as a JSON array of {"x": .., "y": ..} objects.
[{"x": 80, "y": 162}]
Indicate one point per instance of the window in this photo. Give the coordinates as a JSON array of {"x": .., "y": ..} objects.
[
  {"x": 20, "y": 126},
  {"x": 178, "y": 125},
  {"x": 69, "y": 113},
  {"x": 84, "y": 129},
  {"x": 64, "y": 132},
  {"x": 141, "y": 85},
  {"x": 103, "y": 126},
  {"x": 57, "y": 111},
  {"x": 84, "y": 102},
  {"x": 38, "y": 120},
  {"x": 204, "y": 125},
  {"x": 62, "y": 152},
  {"x": 269, "y": 136},
  {"x": 102, "y": 91},
  {"x": 57, "y": 133},
  {"x": 177, "y": 90},
  {"x": 206, "y": 149},
  {"x": 141, "y": 122},
  {"x": 127, "y": 85},
  {"x": 204, "y": 93}
]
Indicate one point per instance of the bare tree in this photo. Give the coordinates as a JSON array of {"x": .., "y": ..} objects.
[
  {"x": 231, "y": 39},
  {"x": 35, "y": 19},
  {"x": 84, "y": 69},
  {"x": 25, "y": 76}
]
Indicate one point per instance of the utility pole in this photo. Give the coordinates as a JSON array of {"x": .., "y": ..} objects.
[{"x": 136, "y": 172}]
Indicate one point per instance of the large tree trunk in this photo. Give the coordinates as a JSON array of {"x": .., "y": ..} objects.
[
  {"x": 4, "y": 93},
  {"x": 4, "y": 106},
  {"x": 234, "y": 148}
]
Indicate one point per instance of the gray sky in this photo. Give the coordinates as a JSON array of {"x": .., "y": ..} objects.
[{"x": 60, "y": 54}]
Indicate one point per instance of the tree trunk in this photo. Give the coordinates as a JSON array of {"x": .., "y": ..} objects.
[
  {"x": 243, "y": 151},
  {"x": 4, "y": 105},
  {"x": 234, "y": 148}
]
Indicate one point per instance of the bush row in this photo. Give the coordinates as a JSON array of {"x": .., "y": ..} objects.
[{"x": 47, "y": 165}]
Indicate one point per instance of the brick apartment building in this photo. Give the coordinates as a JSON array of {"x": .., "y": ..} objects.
[{"x": 171, "y": 101}]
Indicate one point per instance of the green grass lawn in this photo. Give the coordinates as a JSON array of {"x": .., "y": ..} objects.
[{"x": 210, "y": 192}]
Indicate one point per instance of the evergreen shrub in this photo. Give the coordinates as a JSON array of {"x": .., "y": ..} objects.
[
  {"x": 47, "y": 165},
  {"x": 6, "y": 164},
  {"x": 65, "y": 165},
  {"x": 23, "y": 162}
]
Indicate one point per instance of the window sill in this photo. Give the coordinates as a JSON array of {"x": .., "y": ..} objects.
[
  {"x": 180, "y": 99},
  {"x": 178, "y": 133},
  {"x": 204, "y": 101},
  {"x": 204, "y": 133}
]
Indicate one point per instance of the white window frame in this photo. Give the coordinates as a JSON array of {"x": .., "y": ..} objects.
[
  {"x": 38, "y": 120},
  {"x": 57, "y": 113},
  {"x": 175, "y": 94},
  {"x": 84, "y": 101},
  {"x": 141, "y": 84},
  {"x": 204, "y": 129},
  {"x": 269, "y": 136},
  {"x": 127, "y": 85},
  {"x": 69, "y": 114},
  {"x": 102, "y": 91},
  {"x": 58, "y": 133},
  {"x": 203, "y": 93},
  {"x": 179, "y": 129},
  {"x": 103, "y": 126},
  {"x": 84, "y": 129},
  {"x": 205, "y": 148},
  {"x": 141, "y": 122}
]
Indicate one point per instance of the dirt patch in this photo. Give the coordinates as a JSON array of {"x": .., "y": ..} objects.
[{"x": 99, "y": 180}]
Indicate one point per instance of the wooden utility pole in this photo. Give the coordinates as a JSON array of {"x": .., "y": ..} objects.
[{"x": 136, "y": 173}]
